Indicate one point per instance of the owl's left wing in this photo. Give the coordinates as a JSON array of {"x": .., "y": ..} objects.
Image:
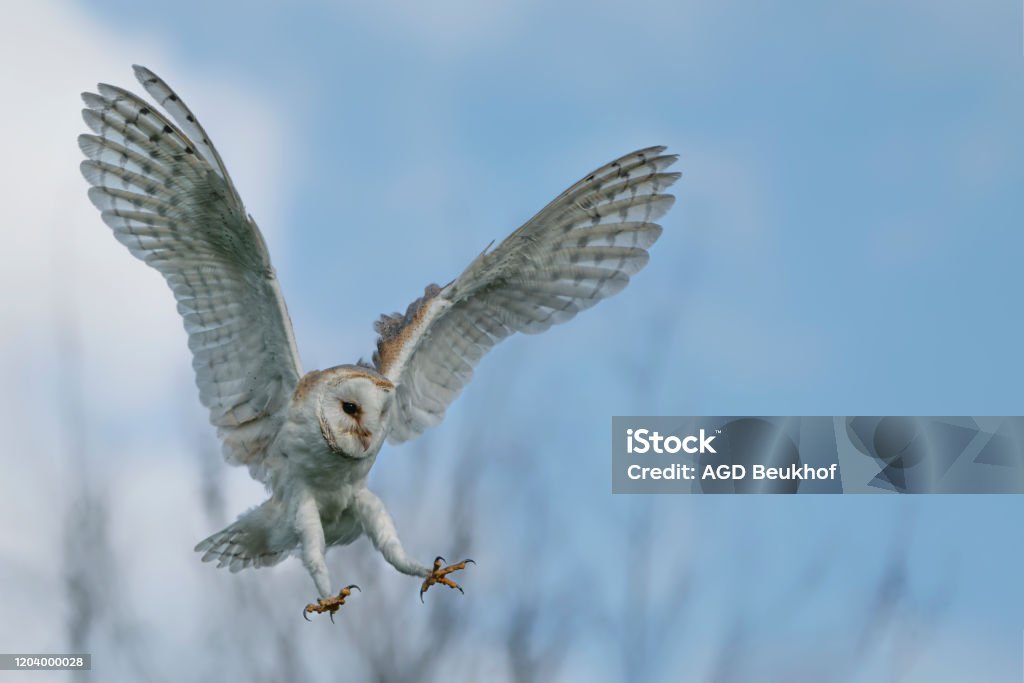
[
  {"x": 163, "y": 189},
  {"x": 581, "y": 248}
]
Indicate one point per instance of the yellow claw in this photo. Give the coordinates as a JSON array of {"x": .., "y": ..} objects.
[
  {"x": 330, "y": 605},
  {"x": 440, "y": 575}
]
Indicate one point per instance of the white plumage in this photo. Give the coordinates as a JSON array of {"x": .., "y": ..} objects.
[{"x": 163, "y": 189}]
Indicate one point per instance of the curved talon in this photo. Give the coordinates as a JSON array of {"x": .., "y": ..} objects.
[
  {"x": 439, "y": 574},
  {"x": 330, "y": 605}
]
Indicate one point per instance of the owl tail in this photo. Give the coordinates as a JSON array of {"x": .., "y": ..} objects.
[{"x": 246, "y": 543}]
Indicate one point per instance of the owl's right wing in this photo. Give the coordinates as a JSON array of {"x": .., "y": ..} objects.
[
  {"x": 163, "y": 189},
  {"x": 581, "y": 248}
]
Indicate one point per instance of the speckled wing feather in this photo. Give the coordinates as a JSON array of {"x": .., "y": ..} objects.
[
  {"x": 163, "y": 189},
  {"x": 581, "y": 248}
]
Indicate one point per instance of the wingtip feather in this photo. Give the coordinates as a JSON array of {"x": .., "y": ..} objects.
[{"x": 142, "y": 74}]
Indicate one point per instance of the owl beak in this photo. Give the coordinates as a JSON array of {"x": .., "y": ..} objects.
[{"x": 365, "y": 438}]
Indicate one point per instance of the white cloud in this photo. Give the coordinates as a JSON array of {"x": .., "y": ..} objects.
[{"x": 60, "y": 258}]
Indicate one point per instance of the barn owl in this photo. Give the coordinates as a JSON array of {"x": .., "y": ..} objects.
[{"x": 312, "y": 438}]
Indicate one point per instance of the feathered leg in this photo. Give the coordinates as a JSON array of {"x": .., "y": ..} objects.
[
  {"x": 311, "y": 532},
  {"x": 378, "y": 525}
]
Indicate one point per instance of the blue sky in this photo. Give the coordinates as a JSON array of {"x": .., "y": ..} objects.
[{"x": 846, "y": 241}]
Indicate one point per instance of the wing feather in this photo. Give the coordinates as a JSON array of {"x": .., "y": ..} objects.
[
  {"x": 162, "y": 188},
  {"x": 581, "y": 248}
]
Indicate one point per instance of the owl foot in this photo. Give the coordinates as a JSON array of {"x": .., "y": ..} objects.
[
  {"x": 440, "y": 575},
  {"x": 330, "y": 605}
]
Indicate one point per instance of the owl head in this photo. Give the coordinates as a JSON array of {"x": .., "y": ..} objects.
[{"x": 352, "y": 407}]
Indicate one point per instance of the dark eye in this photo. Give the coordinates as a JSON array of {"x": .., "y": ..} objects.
[{"x": 349, "y": 408}]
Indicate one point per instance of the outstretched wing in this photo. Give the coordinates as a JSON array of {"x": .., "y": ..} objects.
[
  {"x": 163, "y": 189},
  {"x": 581, "y": 248}
]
